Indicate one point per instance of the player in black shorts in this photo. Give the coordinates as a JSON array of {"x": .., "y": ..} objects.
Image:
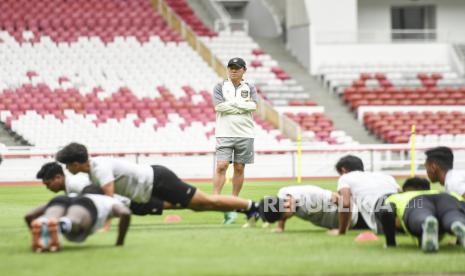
[
  {"x": 53, "y": 177},
  {"x": 140, "y": 183}
]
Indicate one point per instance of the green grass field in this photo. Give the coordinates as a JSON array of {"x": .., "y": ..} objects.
[{"x": 200, "y": 245}]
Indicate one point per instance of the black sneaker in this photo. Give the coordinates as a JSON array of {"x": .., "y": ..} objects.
[{"x": 252, "y": 216}]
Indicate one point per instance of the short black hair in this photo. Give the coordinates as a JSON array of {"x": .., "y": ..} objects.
[
  {"x": 271, "y": 209},
  {"x": 92, "y": 189},
  {"x": 350, "y": 163},
  {"x": 442, "y": 156},
  {"x": 416, "y": 184},
  {"x": 71, "y": 153},
  {"x": 49, "y": 171}
]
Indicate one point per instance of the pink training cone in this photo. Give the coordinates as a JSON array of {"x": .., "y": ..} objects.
[
  {"x": 172, "y": 218},
  {"x": 366, "y": 236}
]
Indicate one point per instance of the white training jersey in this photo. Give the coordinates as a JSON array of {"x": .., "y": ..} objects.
[
  {"x": 131, "y": 180},
  {"x": 74, "y": 184},
  {"x": 314, "y": 205},
  {"x": 455, "y": 182},
  {"x": 104, "y": 205},
  {"x": 366, "y": 188}
]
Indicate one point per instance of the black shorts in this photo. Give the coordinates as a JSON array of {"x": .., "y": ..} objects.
[
  {"x": 378, "y": 206},
  {"x": 64, "y": 201},
  {"x": 88, "y": 205},
  {"x": 168, "y": 187},
  {"x": 361, "y": 223},
  {"x": 153, "y": 207}
]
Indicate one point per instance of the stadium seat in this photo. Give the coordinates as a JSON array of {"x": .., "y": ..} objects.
[
  {"x": 432, "y": 127},
  {"x": 319, "y": 127}
]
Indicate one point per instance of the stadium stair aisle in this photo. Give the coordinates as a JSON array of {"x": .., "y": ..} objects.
[{"x": 9, "y": 139}]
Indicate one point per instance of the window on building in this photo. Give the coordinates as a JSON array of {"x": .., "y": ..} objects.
[{"x": 413, "y": 22}]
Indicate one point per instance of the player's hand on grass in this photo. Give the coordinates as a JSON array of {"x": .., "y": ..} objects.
[
  {"x": 106, "y": 227},
  {"x": 277, "y": 230},
  {"x": 333, "y": 232}
]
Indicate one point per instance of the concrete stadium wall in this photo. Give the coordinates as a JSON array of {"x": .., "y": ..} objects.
[
  {"x": 379, "y": 52},
  {"x": 298, "y": 43},
  {"x": 298, "y": 31},
  {"x": 262, "y": 22},
  {"x": 376, "y": 15},
  {"x": 333, "y": 14},
  {"x": 360, "y": 31}
]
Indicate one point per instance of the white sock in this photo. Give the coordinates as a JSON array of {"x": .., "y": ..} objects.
[
  {"x": 249, "y": 205},
  {"x": 66, "y": 224}
]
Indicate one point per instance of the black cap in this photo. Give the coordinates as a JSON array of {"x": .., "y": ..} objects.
[{"x": 239, "y": 62}]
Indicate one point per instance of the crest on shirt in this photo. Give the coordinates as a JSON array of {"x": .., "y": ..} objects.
[{"x": 244, "y": 93}]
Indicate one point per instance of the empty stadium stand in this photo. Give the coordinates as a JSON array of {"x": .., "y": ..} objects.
[
  {"x": 431, "y": 127},
  {"x": 410, "y": 85},
  {"x": 113, "y": 74},
  {"x": 316, "y": 126},
  {"x": 107, "y": 73}
]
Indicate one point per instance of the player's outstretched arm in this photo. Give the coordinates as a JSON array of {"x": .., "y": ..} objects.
[
  {"x": 34, "y": 213},
  {"x": 124, "y": 215},
  {"x": 387, "y": 217},
  {"x": 344, "y": 210}
]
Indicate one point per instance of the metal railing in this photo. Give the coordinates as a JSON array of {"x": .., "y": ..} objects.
[
  {"x": 315, "y": 162},
  {"x": 232, "y": 25},
  {"x": 394, "y": 36}
]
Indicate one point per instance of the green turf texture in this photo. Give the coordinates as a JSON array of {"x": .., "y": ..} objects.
[{"x": 200, "y": 245}]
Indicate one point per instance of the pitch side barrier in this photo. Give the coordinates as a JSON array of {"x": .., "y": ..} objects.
[{"x": 20, "y": 164}]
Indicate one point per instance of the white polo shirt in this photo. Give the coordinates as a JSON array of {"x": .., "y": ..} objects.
[
  {"x": 104, "y": 205},
  {"x": 314, "y": 205},
  {"x": 366, "y": 188},
  {"x": 131, "y": 180},
  {"x": 455, "y": 182}
]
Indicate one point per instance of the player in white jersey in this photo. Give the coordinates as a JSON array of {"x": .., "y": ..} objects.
[
  {"x": 77, "y": 218},
  {"x": 366, "y": 190},
  {"x": 310, "y": 203},
  {"x": 56, "y": 180},
  {"x": 141, "y": 183},
  {"x": 439, "y": 165}
]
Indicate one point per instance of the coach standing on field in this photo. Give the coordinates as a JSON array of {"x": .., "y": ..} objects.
[{"x": 234, "y": 101}]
